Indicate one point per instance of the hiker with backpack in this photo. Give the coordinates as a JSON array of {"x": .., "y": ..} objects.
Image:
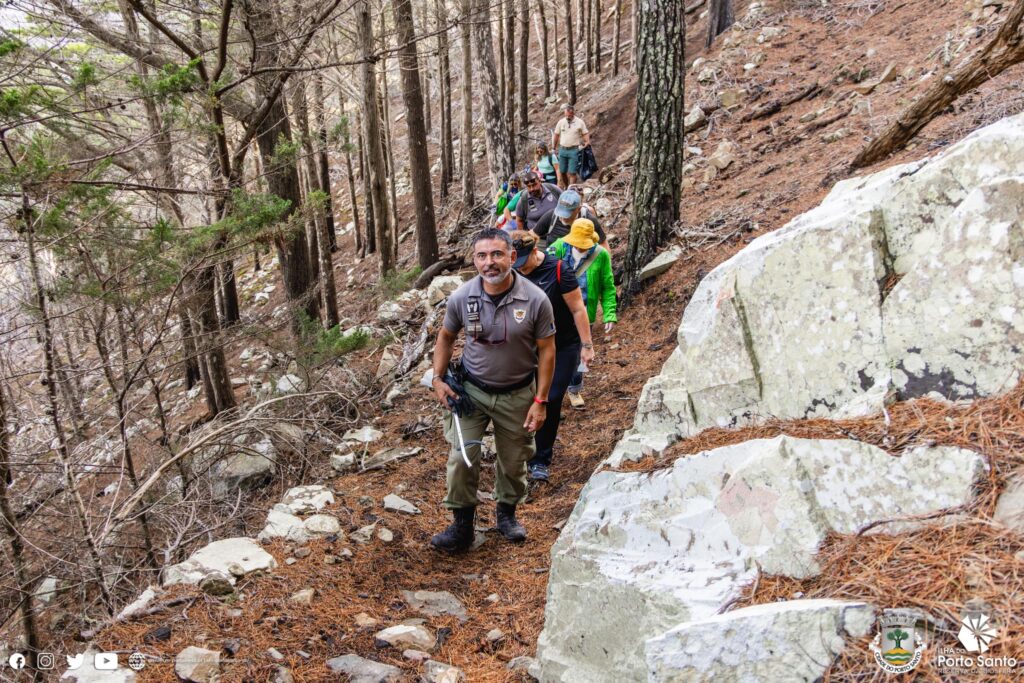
[
  {"x": 536, "y": 200},
  {"x": 555, "y": 224},
  {"x": 592, "y": 265},
  {"x": 571, "y": 134},
  {"x": 572, "y": 335},
  {"x": 545, "y": 163},
  {"x": 505, "y": 203}
]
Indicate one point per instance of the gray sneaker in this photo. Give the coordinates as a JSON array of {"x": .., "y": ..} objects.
[{"x": 539, "y": 472}]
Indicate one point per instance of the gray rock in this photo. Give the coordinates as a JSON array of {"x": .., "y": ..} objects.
[
  {"x": 304, "y": 596},
  {"x": 283, "y": 675},
  {"x": 282, "y": 524},
  {"x": 661, "y": 263},
  {"x": 780, "y": 330},
  {"x": 694, "y": 120},
  {"x": 232, "y": 557},
  {"x": 439, "y": 672},
  {"x": 343, "y": 462},
  {"x": 365, "y": 434},
  {"x": 440, "y": 287},
  {"x": 305, "y": 499},
  {"x": 1010, "y": 507},
  {"x": 785, "y": 641},
  {"x": 397, "y": 504},
  {"x": 644, "y": 553},
  {"x": 198, "y": 665},
  {"x": 494, "y": 635},
  {"x": 217, "y": 584},
  {"x": 275, "y": 654},
  {"x": 418, "y": 656},
  {"x": 46, "y": 590},
  {"x": 323, "y": 525},
  {"x": 289, "y": 384},
  {"x": 407, "y": 636},
  {"x": 435, "y": 604},
  {"x": 521, "y": 663},
  {"x": 361, "y": 670}
]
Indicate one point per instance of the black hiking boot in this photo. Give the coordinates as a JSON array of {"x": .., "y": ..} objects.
[
  {"x": 458, "y": 537},
  {"x": 508, "y": 525}
]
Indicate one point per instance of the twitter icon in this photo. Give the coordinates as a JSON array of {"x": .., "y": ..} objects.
[{"x": 75, "y": 661}]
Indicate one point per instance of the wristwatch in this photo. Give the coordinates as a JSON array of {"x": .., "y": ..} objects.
[{"x": 588, "y": 345}]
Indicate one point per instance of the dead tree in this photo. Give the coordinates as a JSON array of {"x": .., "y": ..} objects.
[
  {"x": 1003, "y": 51},
  {"x": 615, "y": 40}
]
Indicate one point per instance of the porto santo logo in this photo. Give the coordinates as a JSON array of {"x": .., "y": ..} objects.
[
  {"x": 977, "y": 632},
  {"x": 899, "y": 644}
]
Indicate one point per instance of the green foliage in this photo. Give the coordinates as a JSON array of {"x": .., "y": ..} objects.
[
  {"x": 394, "y": 283},
  {"x": 322, "y": 346},
  {"x": 85, "y": 76},
  {"x": 8, "y": 46},
  {"x": 285, "y": 151},
  {"x": 170, "y": 83},
  {"x": 341, "y": 135},
  {"x": 16, "y": 102},
  {"x": 250, "y": 216}
]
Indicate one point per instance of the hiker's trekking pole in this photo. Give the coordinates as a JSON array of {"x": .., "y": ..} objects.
[{"x": 458, "y": 430}]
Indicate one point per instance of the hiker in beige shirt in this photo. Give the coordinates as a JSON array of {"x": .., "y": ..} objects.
[{"x": 570, "y": 134}]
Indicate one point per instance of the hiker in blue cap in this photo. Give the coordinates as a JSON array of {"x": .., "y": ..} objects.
[{"x": 555, "y": 224}]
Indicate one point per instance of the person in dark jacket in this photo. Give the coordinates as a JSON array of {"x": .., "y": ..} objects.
[
  {"x": 536, "y": 200},
  {"x": 572, "y": 335}
]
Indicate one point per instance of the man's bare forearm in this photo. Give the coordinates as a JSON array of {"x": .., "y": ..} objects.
[
  {"x": 545, "y": 366},
  {"x": 443, "y": 349},
  {"x": 582, "y": 320}
]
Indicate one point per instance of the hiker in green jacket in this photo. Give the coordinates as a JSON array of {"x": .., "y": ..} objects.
[{"x": 592, "y": 265}]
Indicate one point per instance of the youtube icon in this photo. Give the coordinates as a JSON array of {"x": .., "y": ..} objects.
[{"x": 106, "y": 661}]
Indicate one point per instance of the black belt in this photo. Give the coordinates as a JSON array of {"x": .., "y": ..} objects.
[{"x": 491, "y": 389}]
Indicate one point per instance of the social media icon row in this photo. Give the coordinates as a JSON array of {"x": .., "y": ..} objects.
[{"x": 102, "y": 661}]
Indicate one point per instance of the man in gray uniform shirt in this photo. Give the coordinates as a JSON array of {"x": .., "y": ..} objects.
[{"x": 507, "y": 362}]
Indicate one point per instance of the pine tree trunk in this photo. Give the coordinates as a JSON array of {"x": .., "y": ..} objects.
[
  {"x": 558, "y": 58},
  {"x": 419, "y": 161},
  {"x": 324, "y": 166},
  {"x": 281, "y": 175},
  {"x": 19, "y": 557},
  {"x": 524, "y": 73},
  {"x": 586, "y": 23},
  {"x": 658, "y": 158},
  {"x": 53, "y": 409},
  {"x": 214, "y": 368},
  {"x": 466, "y": 136},
  {"x": 444, "y": 66},
  {"x": 570, "y": 55},
  {"x": 540, "y": 25},
  {"x": 597, "y": 36},
  {"x": 306, "y": 166},
  {"x": 720, "y": 17},
  {"x": 389, "y": 154},
  {"x": 188, "y": 349},
  {"x": 502, "y": 76},
  {"x": 228, "y": 293},
  {"x": 347, "y": 145},
  {"x": 510, "y": 66},
  {"x": 364, "y": 176},
  {"x": 633, "y": 33},
  {"x": 372, "y": 143},
  {"x": 499, "y": 142},
  {"x": 615, "y": 42}
]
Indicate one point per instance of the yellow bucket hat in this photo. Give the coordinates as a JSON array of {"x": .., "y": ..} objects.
[{"x": 581, "y": 235}]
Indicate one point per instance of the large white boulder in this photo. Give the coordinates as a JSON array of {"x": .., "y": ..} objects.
[
  {"x": 644, "y": 553},
  {"x": 900, "y": 284},
  {"x": 783, "y": 641},
  {"x": 440, "y": 287},
  {"x": 230, "y": 557}
]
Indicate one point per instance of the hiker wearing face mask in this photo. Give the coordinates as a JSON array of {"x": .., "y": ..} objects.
[{"x": 592, "y": 265}]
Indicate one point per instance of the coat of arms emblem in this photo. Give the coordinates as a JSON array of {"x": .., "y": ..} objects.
[
  {"x": 899, "y": 644},
  {"x": 519, "y": 314}
]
